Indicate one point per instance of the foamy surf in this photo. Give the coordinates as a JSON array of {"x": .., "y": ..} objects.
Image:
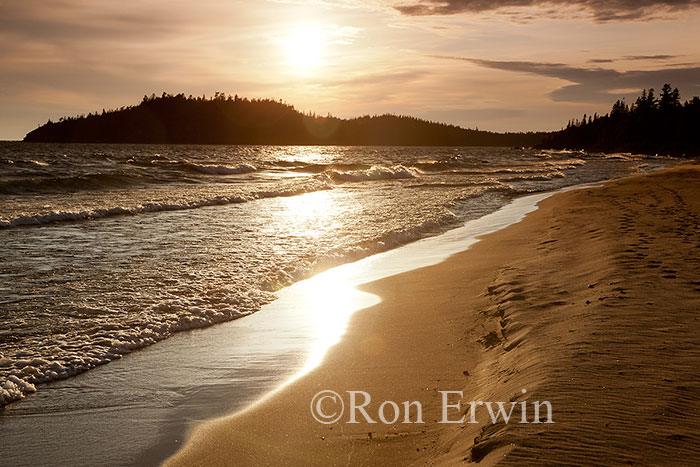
[
  {"x": 375, "y": 173},
  {"x": 221, "y": 169},
  {"x": 127, "y": 245},
  {"x": 241, "y": 196},
  {"x": 245, "y": 360}
]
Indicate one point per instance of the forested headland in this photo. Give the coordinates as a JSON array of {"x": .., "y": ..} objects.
[{"x": 224, "y": 119}]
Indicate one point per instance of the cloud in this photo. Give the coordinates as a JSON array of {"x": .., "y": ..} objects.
[
  {"x": 596, "y": 84},
  {"x": 635, "y": 58},
  {"x": 71, "y": 20},
  {"x": 600, "y": 10},
  {"x": 650, "y": 57}
]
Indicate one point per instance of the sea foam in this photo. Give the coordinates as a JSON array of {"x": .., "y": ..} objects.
[
  {"x": 375, "y": 172},
  {"x": 221, "y": 169}
]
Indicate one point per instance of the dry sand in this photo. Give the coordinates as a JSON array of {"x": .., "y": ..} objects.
[{"x": 591, "y": 303}]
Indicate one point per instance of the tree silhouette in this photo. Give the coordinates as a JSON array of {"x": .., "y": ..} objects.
[{"x": 649, "y": 126}]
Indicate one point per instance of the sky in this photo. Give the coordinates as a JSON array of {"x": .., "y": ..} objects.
[{"x": 500, "y": 65}]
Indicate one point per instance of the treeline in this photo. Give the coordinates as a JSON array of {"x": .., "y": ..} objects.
[
  {"x": 651, "y": 125},
  {"x": 225, "y": 119}
]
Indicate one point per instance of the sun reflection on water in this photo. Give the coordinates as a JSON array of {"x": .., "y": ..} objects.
[
  {"x": 330, "y": 298},
  {"x": 312, "y": 214}
]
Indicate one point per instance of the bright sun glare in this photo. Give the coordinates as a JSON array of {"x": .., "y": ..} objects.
[{"x": 304, "y": 47}]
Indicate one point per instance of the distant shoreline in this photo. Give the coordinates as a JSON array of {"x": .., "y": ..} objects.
[
  {"x": 650, "y": 126},
  {"x": 291, "y": 145}
]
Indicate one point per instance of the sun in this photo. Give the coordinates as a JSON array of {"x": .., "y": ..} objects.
[{"x": 304, "y": 48}]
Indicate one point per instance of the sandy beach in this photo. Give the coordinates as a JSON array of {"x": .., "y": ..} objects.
[{"x": 590, "y": 303}]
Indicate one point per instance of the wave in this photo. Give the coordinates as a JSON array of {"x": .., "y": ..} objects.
[
  {"x": 162, "y": 319},
  {"x": 91, "y": 214},
  {"x": 154, "y": 161},
  {"x": 164, "y": 171},
  {"x": 375, "y": 172},
  {"x": 22, "y": 162},
  {"x": 439, "y": 166},
  {"x": 536, "y": 176},
  {"x": 220, "y": 169},
  {"x": 522, "y": 172},
  {"x": 297, "y": 166},
  {"x": 14, "y": 388},
  {"x": 159, "y": 161},
  {"x": 460, "y": 169},
  {"x": 97, "y": 181},
  {"x": 110, "y": 342},
  {"x": 315, "y": 168},
  {"x": 487, "y": 183}
]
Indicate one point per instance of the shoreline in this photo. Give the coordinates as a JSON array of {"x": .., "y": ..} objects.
[
  {"x": 271, "y": 345},
  {"x": 421, "y": 340},
  {"x": 201, "y": 405},
  {"x": 300, "y": 303}
]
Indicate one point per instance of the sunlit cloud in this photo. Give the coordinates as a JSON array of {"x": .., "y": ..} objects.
[
  {"x": 650, "y": 58},
  {"x": 594, "y": 83},
  {"x": 599, "y": 10}
]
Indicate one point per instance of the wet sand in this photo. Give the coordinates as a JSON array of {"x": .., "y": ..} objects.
[{"x": 590, "y": 303}]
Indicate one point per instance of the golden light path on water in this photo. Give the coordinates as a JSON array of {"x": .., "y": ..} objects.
[{"x": 325, "y": 302}]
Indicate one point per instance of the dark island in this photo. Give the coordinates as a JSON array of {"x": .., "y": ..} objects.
[{"x": 222, "y": 119}]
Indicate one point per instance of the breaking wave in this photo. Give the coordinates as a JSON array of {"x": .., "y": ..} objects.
[
  {"x": 221, "y": 169},
  {"x": 50, "y": 217},
  {"x": 375, "y": 172},
  {"x": 96, "y": 181}
]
